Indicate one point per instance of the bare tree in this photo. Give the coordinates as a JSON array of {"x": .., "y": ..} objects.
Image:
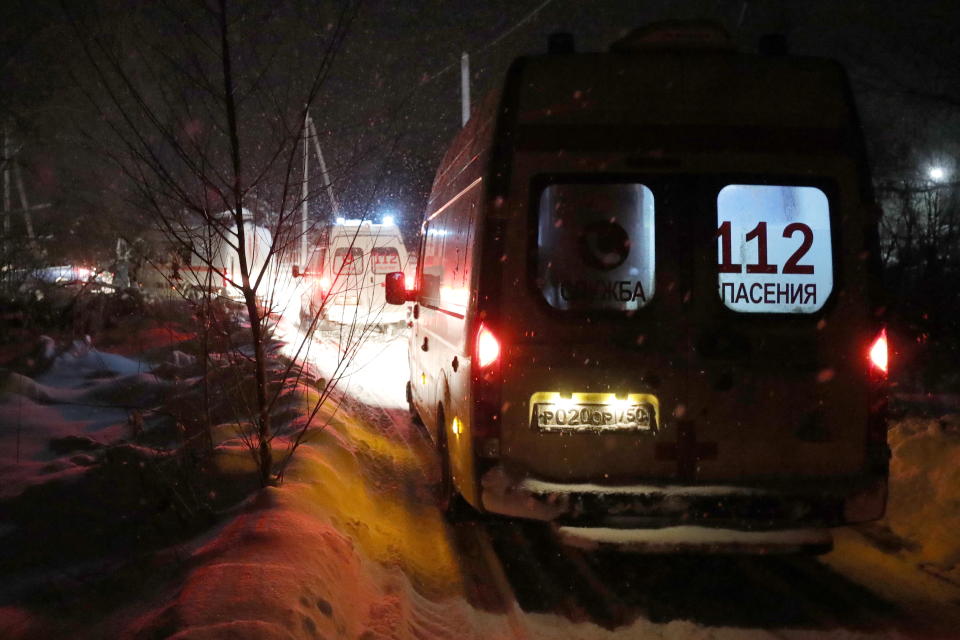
[{"x": 205, "y": 101}]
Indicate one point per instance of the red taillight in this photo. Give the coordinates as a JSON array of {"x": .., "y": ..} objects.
[
  {"x": 879, "y": 358},
  {"x": 488, "y": 347},
  {"x": 324, "y": 283},
  {"x": 408, "y": 283}
]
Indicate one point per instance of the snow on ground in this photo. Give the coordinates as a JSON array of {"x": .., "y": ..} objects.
[
  {"x": 376, "y": 365},
  {"x": 78, "y": 401},
  {"x": 912, "y": 556},
  {"x": 351, "y": 544},
  {"x": 924, "y": 506}
]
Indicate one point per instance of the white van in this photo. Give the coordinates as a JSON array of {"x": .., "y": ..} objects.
[
  {"x": 344, "y": 277},
  {"x": 224, "y": 259},
  {"x": 644, "y": 299}
]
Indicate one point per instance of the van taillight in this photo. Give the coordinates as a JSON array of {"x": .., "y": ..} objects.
[
  {"x": 879, "y": 353},
  {"x": 324, "y": 283},
  {"x": 486, "y": 394},
  {"x": 877, "y": 450},
  {"x": 488, "y": 347},
  {"x": 408, "y": 282}
]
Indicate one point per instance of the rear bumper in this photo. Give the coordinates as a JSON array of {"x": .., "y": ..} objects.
[
  {"x": 699, "y": 540},
  {"x": 783, "y": 506}
]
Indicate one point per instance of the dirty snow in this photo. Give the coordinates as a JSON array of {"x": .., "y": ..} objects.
[
  {"x": 85, "y": 396},
  {"x": 351, "y": 544}
]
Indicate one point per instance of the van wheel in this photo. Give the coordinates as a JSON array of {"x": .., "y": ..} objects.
[
  {"x": 306, "y": 316},
  {"x": 414, "y": 415},
  {"x": 450, "y": 503}
]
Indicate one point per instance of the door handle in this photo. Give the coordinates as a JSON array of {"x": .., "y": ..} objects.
[
  {"x": 426, "y": 344},
  {"x": 416, "y": 311}
]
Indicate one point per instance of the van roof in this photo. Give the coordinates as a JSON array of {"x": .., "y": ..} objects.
[
  {"x": 683, "y": 87},
  {"x": 364, "y": 228},
  {"x": 653, "y": 98}
]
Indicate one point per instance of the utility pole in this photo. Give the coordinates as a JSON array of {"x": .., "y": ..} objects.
[
  {"x": 310, "y": 131},
  {"x": 24, "y": 204},
  {"x": 304, "y": 210},
  {"x": 11, "y": 172},
  {"x": 464, "y": 88},
  {"x": 327, "y": 185},
  {"x": 6, "y": 182}
]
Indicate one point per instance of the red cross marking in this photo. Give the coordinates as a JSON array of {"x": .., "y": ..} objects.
[{"x": 686, "y": 450}]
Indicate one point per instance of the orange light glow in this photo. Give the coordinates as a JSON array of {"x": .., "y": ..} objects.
[
  {"x": 324, "y": 283},
  {"x": 879, "y": 354},
  {"x": 408, "y": 283},
  {"x": 488, "y": 347}
]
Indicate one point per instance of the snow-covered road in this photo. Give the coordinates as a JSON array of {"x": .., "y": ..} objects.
[
  {"x": 534, "y": 586},
  {"x": 352, "y": 544}
]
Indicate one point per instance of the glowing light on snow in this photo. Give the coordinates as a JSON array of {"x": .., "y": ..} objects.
[{"x": 375, "y": 371}]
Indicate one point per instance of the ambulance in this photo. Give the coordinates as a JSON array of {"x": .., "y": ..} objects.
[
  {"x": 344, "y": 279},
  {"x": 645, "y": 307}
]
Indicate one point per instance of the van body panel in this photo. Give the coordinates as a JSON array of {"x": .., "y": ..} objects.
[{"x": 768, "y": 393}]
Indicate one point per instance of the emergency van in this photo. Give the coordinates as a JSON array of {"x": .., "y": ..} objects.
[
  {"x": 645, "y": 299},
  {"x": 344, "y": 276}
]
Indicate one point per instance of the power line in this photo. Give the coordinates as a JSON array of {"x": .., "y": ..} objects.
[{"x": 490, "y": 44}]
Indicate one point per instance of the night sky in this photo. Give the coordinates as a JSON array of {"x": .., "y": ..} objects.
[{"x": 391, "y": 102}]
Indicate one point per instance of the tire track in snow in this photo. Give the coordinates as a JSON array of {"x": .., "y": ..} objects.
[{"x": 516, "y": 568}]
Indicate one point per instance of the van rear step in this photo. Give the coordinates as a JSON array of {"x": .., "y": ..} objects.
[
  {"x": 806, "y": 503},
  {"x": 692, "y": 539}
]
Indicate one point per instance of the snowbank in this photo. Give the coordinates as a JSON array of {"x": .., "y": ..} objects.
[
  {"x": 80, "y": 404},
  {"x": 924, "y": 505}
]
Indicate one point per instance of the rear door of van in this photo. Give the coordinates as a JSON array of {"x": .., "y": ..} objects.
[
  {"x": 387, "y": 256},
  {"x": 347, "y": 264},
  {"x": 694, "y": 313}
]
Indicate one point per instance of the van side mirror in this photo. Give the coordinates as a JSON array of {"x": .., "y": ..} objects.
[
  {"x": 296, "y": 271},
  {"x": 396, "y": 288}
]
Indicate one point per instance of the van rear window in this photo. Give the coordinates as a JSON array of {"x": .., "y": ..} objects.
[
  {"x": 595, "y": 246},
  {"x": 351, "y": 263},
  {"x": 774, "y": 251},
  {"x": 385, "y": 260}
]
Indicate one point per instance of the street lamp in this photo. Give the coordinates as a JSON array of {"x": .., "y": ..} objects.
[{"x": 936, "y": 174}]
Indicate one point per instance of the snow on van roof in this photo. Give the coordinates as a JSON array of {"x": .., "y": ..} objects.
[
  {"x": 388, "y": 221},
  {"x": 674, "y": 34}
]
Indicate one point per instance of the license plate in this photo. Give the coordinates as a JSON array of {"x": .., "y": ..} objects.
[{"x": 593, "y": 417}]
